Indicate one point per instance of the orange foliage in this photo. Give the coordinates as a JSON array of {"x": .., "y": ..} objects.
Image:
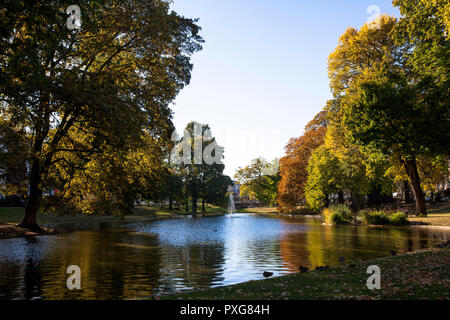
[{"x": 293, "y": 166}]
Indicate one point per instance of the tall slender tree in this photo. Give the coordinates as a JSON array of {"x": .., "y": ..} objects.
[{"x": 199, "y": 158}]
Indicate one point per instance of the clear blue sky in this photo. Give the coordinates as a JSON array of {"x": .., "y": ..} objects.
[{"x": 262, "y": 74}]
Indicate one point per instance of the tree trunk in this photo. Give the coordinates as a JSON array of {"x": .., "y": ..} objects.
[
  {"x": 170, "y": 204},
  {"x": 413, "y": 175},
  {"x": 327, "y": 201},
  {"x": 194, "y": 202},
  {"x": 187, "y": 203},
  {"x": 356, "y": 202},
  {"x": 341, "y": 197},
  {"x": 406, "y": 190},
  {"x": 203, "y": 205},
  {"x": 36, "y": 172},
  {"x": 30, "y": 221}
]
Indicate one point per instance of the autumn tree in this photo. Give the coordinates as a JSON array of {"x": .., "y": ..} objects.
[
  {"x": 340, "y": 166},
  {"x": 359, "y": 50},
  {"x": 111, "y": 78},
  {"x": 259, "y": 181},
  {"x": 293, "y": 166}
]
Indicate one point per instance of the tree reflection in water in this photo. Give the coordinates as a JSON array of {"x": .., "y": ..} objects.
[{"x": 138, "y": 260}]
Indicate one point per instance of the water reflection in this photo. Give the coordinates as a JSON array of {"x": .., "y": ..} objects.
[{"x": 141, "y": 259}]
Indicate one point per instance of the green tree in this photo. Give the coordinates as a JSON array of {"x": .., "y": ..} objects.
[
  {"x": 13, "y": 160},
  {"x": 324, "y": 178},
  {"x": 199, "y": 159},
  {"x": 387, "y": 111},
  {"x": 425, "y": 24},
  {"x": 171, "y": 187},
  {"x": 259, "y": 181},
  {"x": 215, "y": 189},
  {"x": 340, "y": 166},
  {"x": 407, "y": 114}
]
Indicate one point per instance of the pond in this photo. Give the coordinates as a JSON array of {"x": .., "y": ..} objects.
[{"x": 140, "y": 259}]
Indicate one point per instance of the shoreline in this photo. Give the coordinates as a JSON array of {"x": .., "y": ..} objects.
[
  {"x": 50, "y": 224},
  {"x": 402, "y": 278},
  {"x": 12, "y": 230}
]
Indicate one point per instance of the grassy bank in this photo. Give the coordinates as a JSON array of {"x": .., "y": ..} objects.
[
  {"x": 436, "y": 217},
  {"x": 15, "y": 215},
  {"x": 420, "y": 275},
  {"x": 258, "y": 210}
]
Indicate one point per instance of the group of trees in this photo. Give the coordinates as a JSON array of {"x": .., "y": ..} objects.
[
  {"x": 293, "y": 167},
  {"x": 389, "y": 119},
  {"x": 86, "y": 111},
  {"x": 196, "y": 166},
  {"x": 259, "y": 181}
]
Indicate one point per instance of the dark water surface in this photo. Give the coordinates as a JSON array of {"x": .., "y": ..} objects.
[{"x": 137, "y": 260}]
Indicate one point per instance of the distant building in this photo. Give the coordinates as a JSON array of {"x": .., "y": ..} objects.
[
  {"x": 444, "y": 185},
  {"x": 234, "y": 188},
  {"x": 2, "y": 183}
]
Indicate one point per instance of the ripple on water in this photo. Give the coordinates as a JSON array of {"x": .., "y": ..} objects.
[{"x": 182, "y": 254}]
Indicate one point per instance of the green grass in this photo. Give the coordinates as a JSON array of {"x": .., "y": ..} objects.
[
  {"x": 439, "y": 216},
  {"x": 258, "y": 210},
  {"x": 15, "y": 215},
  {"x": 420, "y": 275},
  {"x": 436, "y": 217},
  {"x": 443, "y": 210}
]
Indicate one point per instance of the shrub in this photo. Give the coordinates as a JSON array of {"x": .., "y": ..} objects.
[
  {"x": 383, "y": 218},
  {"x": 398, "y": 219},
  {"x": 375, "y": 217},
  {"x": 337, "y": 214}
]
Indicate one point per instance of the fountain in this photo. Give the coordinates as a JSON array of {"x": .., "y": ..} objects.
[{"x": 231, "y": 206}]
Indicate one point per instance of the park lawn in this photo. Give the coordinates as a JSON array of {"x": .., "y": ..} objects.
[
  {"x": 258, "y": 210},
  {"x": 435, "y": 217},
  {"x": 419, "y": 275},
  {"x": 15, "y": 215}
]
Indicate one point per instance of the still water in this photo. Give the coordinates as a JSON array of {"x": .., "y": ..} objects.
[{"x": 140, "y": 259}]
